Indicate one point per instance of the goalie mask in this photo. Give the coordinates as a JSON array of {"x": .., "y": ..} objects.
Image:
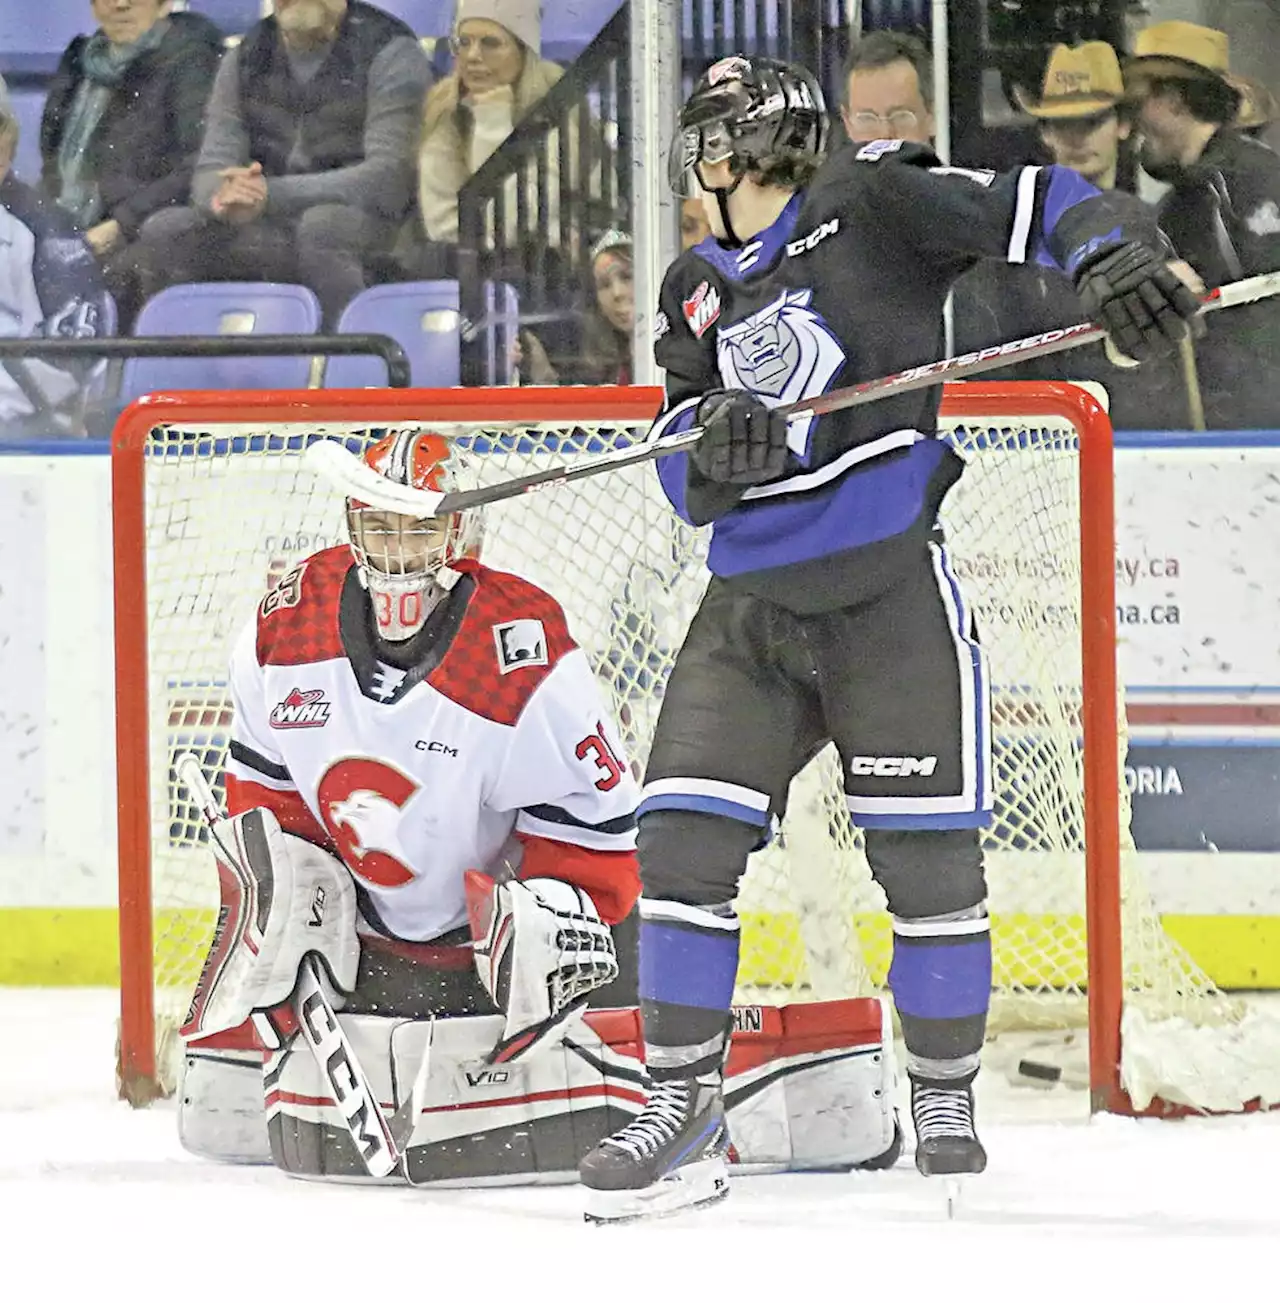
[
  {"x": 752, "y": 111},
  {"x": 405, "y": 562}
]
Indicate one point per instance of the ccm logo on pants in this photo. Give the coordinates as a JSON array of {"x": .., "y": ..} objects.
[{"x": 894, "y": 766}]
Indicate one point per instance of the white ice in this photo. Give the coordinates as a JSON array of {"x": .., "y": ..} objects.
[{"x": 99, "y": 1202}]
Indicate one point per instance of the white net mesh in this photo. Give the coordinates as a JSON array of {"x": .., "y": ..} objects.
[{"x": 228, "y": 512}]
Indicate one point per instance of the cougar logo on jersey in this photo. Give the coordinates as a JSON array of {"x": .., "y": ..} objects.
[
  {"x": 521, "y": 643},
  {"x": 893, "y": 766},
  {"x": 784, "y": 353},
  {"x": 702, "y": 309},
  {"x": 362, "y": 802},
  {"x": 301, "y": 710}
]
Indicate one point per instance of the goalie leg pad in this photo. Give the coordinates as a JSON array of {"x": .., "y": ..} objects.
[
  {"x": 308, "y": 1137},
  {"x": 807, "y": 1088},
  {"x": 282, "y": 899},
  {"x": 220, "y": 1112},
  {"x": 810, "y": 1087}
]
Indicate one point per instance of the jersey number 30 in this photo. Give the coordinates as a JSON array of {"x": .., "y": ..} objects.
[{"x": 595, "y": 747}]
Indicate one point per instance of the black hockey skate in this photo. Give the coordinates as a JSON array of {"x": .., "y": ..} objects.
[
  {"x": 670, "y": 1157},
  {"x": 946, "y": 1142}
]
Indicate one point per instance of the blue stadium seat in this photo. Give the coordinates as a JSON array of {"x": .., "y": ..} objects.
[
  {"x": 233, "y": 17},
  {"x": 28, "y": 106},
  {"x": 427, "y": 17},
  {"x": 223, "y": 308},
  {"x": 421, "y": 316},
  {"x": 34, "y": 33},
  {"x": 569, "y": 26}
]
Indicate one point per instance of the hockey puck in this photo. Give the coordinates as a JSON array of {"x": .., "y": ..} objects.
[{"x": 1039, "y": 1071}]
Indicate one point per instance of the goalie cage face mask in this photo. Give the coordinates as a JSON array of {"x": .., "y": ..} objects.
[
  {"x": 752, "y": 111},
  {"x": 406, "y": 563}
]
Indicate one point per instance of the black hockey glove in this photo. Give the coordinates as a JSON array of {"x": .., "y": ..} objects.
[
  {"x": 1142, "y": 305},
  {"x": 743, "y": 441}
]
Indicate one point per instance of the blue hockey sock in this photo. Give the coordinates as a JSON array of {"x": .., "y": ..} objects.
[
  {"x": 941, "y": 984},
  {"x": 688, "y": 968}
]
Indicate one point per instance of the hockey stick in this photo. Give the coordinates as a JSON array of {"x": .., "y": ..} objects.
[
  {"x": 332, "y": 460},
  {"x": 334, "y": 1054}
]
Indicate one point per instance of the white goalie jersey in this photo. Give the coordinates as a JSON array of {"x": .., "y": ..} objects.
[{"x": 414, "y": 777}]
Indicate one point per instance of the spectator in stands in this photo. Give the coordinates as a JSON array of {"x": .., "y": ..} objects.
[
  {"x": 306, "y": 168},
  {"x": 498, "y": 76},
  {"x": 603, "y": 352},
  {"x": 1222, "y": 210},
  {"x": 694, "y": 227},
  {"x": 50, "y": 285},
  {"x": 1083, "y": 119},
  {"x": 1084, "y": 122},
  {"x": 121, "y": 127},
  {"x": 888, "y": 89},
  {"x": 1258, "y": 108}
]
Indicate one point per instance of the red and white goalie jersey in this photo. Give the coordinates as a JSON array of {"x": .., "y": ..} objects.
[{"x": 414, "y": 777}]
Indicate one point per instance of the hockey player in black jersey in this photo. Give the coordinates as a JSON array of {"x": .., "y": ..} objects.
[{"x": 833, "y": 612}]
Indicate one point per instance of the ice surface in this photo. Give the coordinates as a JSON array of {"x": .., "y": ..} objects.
[{"x": 98, "y": 1202}]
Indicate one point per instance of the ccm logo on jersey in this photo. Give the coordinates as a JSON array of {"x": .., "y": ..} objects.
[
  {"x": 301, "y": 710},
  {"x": 702, "y": 309},
  {"x": 521, "y": 643},
  {"x": 874, "y": 150},
  {"x": 894, "y": 766},
  {"x": 813, "y": 239}
]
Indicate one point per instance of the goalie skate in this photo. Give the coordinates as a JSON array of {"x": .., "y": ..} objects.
[{"x": 670, "y": 1158}]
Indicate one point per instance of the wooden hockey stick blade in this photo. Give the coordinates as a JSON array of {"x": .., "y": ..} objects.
[{"x": 320, "y": 1028}]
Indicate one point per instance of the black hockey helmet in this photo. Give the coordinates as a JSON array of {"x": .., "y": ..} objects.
[{"x": 750, "y": 110}]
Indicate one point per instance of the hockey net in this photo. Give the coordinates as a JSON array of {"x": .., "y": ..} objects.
[{"x": 212, "y": 505}]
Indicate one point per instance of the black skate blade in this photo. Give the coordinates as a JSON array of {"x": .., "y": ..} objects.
[{"x": 699, "y": 1185}]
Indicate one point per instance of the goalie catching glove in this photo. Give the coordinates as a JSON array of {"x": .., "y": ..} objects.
[
  {"x": 1144, "y": 306},
  {"x": 540, "y": 950},
  {"x": 743, "y": 441}
]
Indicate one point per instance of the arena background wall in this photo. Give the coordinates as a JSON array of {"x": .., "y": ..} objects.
[{"x": 1198, "y": 586}]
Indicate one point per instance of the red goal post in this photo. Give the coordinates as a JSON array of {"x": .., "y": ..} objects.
[{"x": 184, "y": 424}]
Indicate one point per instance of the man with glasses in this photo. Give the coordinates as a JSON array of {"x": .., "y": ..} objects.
[
  {"x": 306, "y": 166},
  {"x": 888, "y": 90}
]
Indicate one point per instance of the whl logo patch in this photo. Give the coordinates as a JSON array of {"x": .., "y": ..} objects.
[
  {"x": 301, "y": 710},
  {"x": 702, "y": 309}
]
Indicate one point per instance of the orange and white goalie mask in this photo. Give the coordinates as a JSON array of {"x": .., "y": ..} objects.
[{"x": 406, "y": 562}]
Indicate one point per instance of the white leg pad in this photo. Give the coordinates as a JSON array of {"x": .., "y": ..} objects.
[{"x": 220, "y": 1113}]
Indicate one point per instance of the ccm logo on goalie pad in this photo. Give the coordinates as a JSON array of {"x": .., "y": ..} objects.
[
  {"x": 893, "y": 766},
  {"x": 521, "y": 643}
]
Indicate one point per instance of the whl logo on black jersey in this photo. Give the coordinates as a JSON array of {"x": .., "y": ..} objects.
[{"x": 301, "y": 710}]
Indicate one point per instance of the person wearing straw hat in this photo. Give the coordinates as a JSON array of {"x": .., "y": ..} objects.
[
  {"x": 1080, "y": 110},
  {"x": 1222, "y": 211},
  {"x": 1083, "y": 122}
]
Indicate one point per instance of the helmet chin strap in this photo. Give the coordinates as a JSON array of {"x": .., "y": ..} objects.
[{"x": 722, "y": 194}]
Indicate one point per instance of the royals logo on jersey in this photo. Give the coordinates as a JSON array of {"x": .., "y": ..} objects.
[{"x": 784, "y": 353}]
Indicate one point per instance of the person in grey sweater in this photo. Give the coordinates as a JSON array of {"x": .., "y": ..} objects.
[{"x": 307, "y": 162}]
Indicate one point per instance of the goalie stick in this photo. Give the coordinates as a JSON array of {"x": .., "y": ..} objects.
[
  {"x": 330, "y": 459},
  {"x": 374, "y": 1138}
]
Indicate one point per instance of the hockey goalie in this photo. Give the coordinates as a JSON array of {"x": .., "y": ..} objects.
[{"x": 426, "y": 794}]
